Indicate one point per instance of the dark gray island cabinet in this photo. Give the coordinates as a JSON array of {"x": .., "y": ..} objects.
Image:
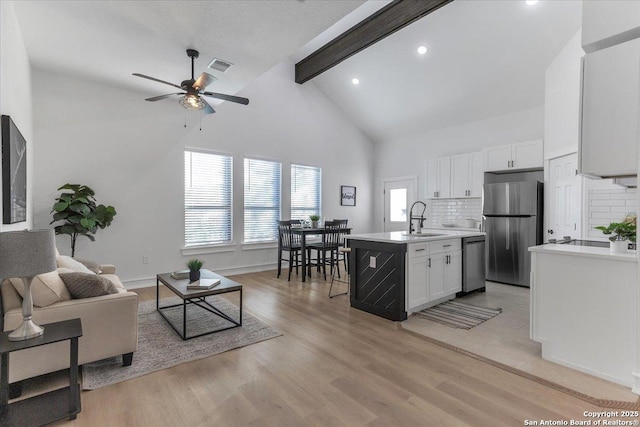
[{"x": 394, "y": 274}]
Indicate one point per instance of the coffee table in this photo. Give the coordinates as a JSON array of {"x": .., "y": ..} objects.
[{"x": 197, "y": 298}]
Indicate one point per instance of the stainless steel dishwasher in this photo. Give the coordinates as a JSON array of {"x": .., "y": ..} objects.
[{"x": 473, "y": 265}]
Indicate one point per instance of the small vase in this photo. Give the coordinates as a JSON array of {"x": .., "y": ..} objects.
[
  {"x": 619, "y": 246},
  {"x": 194, "y": 275},
  {"x": 314, "y": 224}
]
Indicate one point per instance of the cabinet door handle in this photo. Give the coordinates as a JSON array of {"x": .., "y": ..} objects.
[
  {"x": 429, "y": 262},
  {"x": 446, "y": 246},
  {"x": 419, "y": 250}
]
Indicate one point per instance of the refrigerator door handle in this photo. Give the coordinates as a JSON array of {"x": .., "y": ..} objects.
[{"x": 507, "y": 234}]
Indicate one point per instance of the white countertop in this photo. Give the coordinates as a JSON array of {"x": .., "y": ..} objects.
[
  {"x": 584, "y": 251},
  {"x": 402, "y": 237}
]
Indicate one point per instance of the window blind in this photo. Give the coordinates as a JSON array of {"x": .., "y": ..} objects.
[
  {"x": 306, "y": 191},
  {"x": 262, "y": 183},
  {"x": 207, "y": 198}
]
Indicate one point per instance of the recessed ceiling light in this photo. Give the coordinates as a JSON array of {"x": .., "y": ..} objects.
[
  {"x": 531, "y": 2},
  {"x": 355, "y": 81},
  {"x": 422, "y": 50}
]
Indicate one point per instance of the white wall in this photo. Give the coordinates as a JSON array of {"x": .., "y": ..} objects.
[
  {"x": 131, "y": 153},
  {"x": 562, "y": 100},
  {"x": 407, "y": 156},
  {"x": 15, "y": 96}
]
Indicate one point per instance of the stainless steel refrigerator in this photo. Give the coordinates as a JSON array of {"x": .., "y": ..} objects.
[{"x": 513, "y": 222}]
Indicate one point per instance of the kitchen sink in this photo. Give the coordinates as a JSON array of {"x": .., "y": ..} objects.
[{"x": 422, "y": 234}]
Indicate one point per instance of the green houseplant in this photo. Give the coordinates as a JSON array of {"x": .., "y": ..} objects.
[
  {"x": 194, "y": 266},
  {"x": 314, "y": 220},
  {"x": 80, "y": 215},
  {"x": 621, "y": 233}
]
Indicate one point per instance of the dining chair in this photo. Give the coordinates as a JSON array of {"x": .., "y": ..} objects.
[
  {"x": 345, "y": 256},
  {"x": 345, "y": 251},
  {"x": 288, "y": 242},
  {"x": 329, "y": 244}
]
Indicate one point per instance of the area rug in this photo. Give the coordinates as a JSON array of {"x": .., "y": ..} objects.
[
  {"x": 159, "y": 347},
  {"x": 458, "y": 315}
]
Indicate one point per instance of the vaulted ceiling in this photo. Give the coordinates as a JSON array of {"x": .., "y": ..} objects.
[{"x": 485, "y": 58}]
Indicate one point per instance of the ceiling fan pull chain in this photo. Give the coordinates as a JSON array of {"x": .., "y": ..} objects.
[
  {"x": 185, "y": 118},
  {"x": 200, "y": 120}
]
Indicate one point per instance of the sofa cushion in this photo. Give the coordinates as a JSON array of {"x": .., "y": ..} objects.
[
  {"x": 68, "y": 262},
  {"x": 116, "y": 282},
  {"x": 87, "y": 285},
  {"x": 46, "y": 289}
]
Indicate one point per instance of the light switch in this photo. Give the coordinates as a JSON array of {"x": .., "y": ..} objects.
[{"x": 372, "y": 262}]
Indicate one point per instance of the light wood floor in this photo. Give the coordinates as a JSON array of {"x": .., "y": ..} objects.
[
  {"x": 505, "y": 339},
  {"x": 334, "y": 366}
]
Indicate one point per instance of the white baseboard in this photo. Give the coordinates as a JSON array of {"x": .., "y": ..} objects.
[
  {"x": 636, "y": 382},
  {"x": 228, "y": 271}
]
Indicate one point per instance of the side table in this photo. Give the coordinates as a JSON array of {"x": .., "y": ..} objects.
[{"x": 48, "y": 407}]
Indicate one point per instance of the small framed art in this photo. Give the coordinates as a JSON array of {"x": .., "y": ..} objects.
[{"x": 347, "y": 195}]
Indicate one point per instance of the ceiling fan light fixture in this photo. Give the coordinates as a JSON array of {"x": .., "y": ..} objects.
[{"x": 191, "y": 102}]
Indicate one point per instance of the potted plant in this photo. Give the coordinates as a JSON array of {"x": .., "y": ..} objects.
[
  {"x": 194, "y": 266},
  {"x": 314, "y": 220},
  {"x": 621, "y": 233},
  {"x": 77, "y": 207}
]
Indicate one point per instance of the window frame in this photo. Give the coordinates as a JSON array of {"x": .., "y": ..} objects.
[
  {"x": 255, "y": 243},
  {"x": 212, "y": 246},
  {"x": 319, "y": 207}
]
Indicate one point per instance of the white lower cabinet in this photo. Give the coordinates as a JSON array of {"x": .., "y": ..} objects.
[{"x": 434, "y": 272}]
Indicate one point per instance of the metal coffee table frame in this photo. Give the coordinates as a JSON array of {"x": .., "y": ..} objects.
[{"x": 198, "y": 298}]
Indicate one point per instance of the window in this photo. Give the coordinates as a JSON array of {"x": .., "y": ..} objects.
[
  {"x": 207, "y": 198},
  {"x": 261, "y": 200},
  {"x": 398, "y": 204},
  {"x": 305, "y": 191}
]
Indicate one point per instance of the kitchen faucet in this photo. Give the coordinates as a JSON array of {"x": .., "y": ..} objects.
[{"x": 420, "y": 218}]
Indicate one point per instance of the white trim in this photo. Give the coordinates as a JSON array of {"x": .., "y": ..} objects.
[
  {"x": 208, "y": 151},
  {"x": 208, "y": 249},
  {"x": 636, "y": 382},
  {"x": 229, "y": 271},
  {"x": 255, "y": 246}
]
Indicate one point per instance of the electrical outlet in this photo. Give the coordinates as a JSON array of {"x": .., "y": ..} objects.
[
  {"x": 372, "y": 262},
  {"x": 145, "y": 259}
]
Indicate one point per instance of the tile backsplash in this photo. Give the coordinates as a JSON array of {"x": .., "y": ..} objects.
[
  {"x": 608, "y": 205},
  {"x": 443, "y": 211}
]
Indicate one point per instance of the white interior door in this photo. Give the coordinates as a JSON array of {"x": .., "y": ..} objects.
[
  {"x": 399, "y": 195},
  {"x": 565, "y": 201}
]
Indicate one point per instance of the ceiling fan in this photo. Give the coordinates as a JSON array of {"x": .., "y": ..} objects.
[{"x": 191, "y": 98}]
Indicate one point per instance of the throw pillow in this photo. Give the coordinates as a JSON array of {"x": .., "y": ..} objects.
[
  {"x": 90, "y": 265},
  {"x": 83, "y": 285},
  {"x": 68, "y": 262},
  {"x": 46, "y": 289}
]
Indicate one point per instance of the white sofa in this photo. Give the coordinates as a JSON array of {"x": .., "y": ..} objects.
[{"x": 109, "y": 328}]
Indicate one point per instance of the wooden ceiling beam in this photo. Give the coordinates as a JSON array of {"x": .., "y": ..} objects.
[{"x": 384, "y": 22}]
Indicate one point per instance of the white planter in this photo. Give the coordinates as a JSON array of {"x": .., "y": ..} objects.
[{"x": 619, "y": 246}]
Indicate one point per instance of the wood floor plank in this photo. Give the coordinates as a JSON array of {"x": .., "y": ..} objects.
[{"x": 333, "y": 366}]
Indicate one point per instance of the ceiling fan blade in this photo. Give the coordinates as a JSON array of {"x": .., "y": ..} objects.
[
  {"x": 156, "y": 80},
  {"x": 158, "y": 98},
  {"x": 203, "y": 81},
  {"x": 208, "y": 109},
  {"x": 238, "y": 99}
]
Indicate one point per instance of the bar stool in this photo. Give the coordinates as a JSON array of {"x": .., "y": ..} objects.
[{"x": 346, "y": 251}]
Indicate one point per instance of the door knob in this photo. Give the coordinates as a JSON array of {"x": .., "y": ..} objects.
[{"x": 550, "y": 231}]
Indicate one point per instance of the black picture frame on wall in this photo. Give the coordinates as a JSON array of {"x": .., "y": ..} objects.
[
  {"x": 14, "y": 173},
  {"x": 347, "y": 195}
]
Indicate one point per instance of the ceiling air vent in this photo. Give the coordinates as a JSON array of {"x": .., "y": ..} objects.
[{"x": 220, "y": 65}]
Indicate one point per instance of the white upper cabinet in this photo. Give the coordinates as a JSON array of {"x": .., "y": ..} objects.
[
  {"x": 607, "y": 23},
  {"x": 466, "y": 175},
  {"x": 438, "y": 175},
  {"x": 610, "y": 96},
  {"x": 518, "y": 156}
]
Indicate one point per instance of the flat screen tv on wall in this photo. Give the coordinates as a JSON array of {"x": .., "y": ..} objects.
[{"x": 14, "y": 173}]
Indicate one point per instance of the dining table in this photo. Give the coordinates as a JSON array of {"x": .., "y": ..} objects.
[{"x": 303, "y": 232}]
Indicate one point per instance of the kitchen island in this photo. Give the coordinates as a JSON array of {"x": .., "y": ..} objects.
[
  {"x": 583, "y": 309},
  {"x": 394, "y": 274}
]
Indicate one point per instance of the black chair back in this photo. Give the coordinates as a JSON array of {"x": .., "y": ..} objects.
[
  {"x": 331, "y": 237},
  {"x": 288, "y": 240}
]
